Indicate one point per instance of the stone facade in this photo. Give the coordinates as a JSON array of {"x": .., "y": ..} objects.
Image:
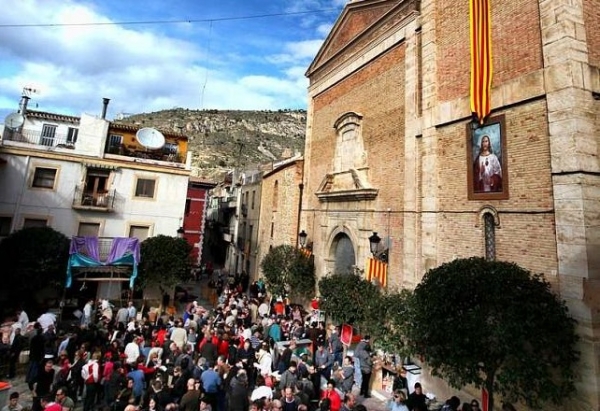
[
  {"x": 280, "y": 194},
  {"x": 400, "y": 69}
]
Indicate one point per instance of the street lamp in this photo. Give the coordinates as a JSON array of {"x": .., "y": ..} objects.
[
  {"x": 180, "y": 232},
  {"x": 374, "y": 241},
  {"x": 302, "y": 238}
]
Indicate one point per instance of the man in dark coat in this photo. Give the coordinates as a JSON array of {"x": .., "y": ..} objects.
[{"x": 237, "y": 398}]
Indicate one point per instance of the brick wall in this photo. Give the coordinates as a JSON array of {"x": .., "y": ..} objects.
[
  {"x": 526, "y": 218},
  {"x": 591, "y": 13},
  {"x": 282, "y": 211},
  {"x": 377, "y": 92},
  {"x": 516, "y": 44}
]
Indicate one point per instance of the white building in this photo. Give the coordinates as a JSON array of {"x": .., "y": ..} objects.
[{"x": 88, "y": 176}]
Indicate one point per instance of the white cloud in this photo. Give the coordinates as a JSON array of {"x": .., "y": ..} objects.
[
  {"x": 138, "y": 68},
  {"x": 296, "y": 52},
  {"x": 324, "y": 29}
]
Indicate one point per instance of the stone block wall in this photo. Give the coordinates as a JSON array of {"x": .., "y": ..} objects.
[{"x": 279, "y": 208}]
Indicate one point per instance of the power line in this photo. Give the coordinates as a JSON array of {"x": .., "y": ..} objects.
[{"x": 179, "y": 21}]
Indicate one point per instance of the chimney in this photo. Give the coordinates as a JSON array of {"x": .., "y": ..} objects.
[
  {"x": 23, "y": 104},
  {"x": 104, "y": 107}
]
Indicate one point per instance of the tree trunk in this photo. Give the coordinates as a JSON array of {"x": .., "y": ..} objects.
[{"x": 489, "y": 387}]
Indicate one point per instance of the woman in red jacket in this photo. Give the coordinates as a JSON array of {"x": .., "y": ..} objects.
[{"x": 333, "y": 396}]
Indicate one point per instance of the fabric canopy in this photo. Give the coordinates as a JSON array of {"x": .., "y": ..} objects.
[{"x": 85, "y": 252}]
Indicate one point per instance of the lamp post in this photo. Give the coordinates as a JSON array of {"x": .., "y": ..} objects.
[
  {"x": 302, "y": 238},
  {"x": 374, "y": 241},
  {"x": 180, "y": 232}
]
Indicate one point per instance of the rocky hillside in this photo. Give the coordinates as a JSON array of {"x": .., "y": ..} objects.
[{"x": 225, "y": 139}]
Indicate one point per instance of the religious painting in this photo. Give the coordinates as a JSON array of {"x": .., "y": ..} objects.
[{"x": 486, "y": 160}]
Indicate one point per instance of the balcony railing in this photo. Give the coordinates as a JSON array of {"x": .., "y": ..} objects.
[
  {"x": 136, "y": 152},
  {"x": 36, "y": 137},
  {"x": 99, "y": 201}
]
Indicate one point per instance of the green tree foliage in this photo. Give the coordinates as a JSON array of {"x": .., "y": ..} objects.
[
  {"x": 289, "y": 272},
  {"x": 387, "y": 319},
  {"x": 351, "y": 299},
  {"x": 495, "y": 325},
  {"x": 348, "y": 298},
  {"x": 164, "y": 262},
  {"x": 32, "y": 259}
]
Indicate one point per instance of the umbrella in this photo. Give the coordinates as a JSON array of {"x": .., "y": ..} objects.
[{"x": 46, "y": 320}]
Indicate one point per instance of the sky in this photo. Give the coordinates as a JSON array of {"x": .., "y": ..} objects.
[{"x": 213, "y": 54}]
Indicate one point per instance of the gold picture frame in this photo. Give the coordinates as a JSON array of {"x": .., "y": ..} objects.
[{"x": 487, "y": 172}]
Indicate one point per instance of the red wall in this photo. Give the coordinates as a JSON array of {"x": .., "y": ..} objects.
[{"x": 193, "y": 219}]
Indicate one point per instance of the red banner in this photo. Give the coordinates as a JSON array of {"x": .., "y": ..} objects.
[
  {"x": 484, "y": 400},
  {"x": 346, "y": 334},
  {"x": 481, "y": 58}
]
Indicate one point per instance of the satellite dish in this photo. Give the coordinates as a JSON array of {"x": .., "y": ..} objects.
[
  {"x": 150, "y": 138},
  {"x": 14, "y": 120}
]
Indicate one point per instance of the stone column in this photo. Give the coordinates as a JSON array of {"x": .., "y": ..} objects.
[
  {"x": 412, "y": 132},
  {"x": 573, "y": 136},
  {"x": 428, "y": 160}
]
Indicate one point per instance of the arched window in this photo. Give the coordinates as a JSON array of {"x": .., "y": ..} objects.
[
  {"x": 275, "y": 195},
  {"x": 489, "y": 227}
]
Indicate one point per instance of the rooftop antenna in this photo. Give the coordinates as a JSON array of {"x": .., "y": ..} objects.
[{"x": 27, "y": 91}]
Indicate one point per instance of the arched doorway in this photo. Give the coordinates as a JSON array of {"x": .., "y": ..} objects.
[{"x": 342, "y": 251}]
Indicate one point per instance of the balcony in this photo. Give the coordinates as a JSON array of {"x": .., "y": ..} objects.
[
  {"x": 89, "y": 201},
  {"x": 228, "y": 202},
  {"x": 36, "y": 137},
  {"x": 145, "y": 155}
]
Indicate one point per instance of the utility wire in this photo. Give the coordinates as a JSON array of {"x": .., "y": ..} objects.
[
  {"x": 206, "y": 68},
  {"x": 132, "y": 23}
]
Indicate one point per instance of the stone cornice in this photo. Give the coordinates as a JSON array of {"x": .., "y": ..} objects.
[{"x": 362, "y": 194}]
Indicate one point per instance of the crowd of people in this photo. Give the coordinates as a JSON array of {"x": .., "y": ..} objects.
[{"x": 248, "y": 352}]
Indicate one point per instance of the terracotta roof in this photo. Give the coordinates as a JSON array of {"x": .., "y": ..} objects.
[
  {"x": 52, "y": 116},
  {"x": 131, "y": 127}
]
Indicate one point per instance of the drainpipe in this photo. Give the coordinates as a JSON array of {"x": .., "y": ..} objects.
[{"x": 301, "y": 187}]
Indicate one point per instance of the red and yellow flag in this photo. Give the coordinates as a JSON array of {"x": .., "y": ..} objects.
[
  {"x": 376, "y": 270},
  {"x": 481, "y": 58}
]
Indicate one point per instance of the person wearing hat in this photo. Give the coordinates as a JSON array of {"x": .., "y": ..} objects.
[{"x": 13, "y": 403}]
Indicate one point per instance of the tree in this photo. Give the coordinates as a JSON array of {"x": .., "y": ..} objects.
[
  {"x": 288, "y": 271},
  {"x": 351, "y": 299},
  {"x": 164, "y": 262},
  {"x": 348, "y": 298},
  {"x": 32, "y": 259},
  {"x": 495, "y": 325}
]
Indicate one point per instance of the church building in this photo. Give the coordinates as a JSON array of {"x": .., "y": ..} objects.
[{"x": 451, "y": 136}]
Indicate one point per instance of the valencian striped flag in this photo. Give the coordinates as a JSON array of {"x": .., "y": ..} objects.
[
  {"x": 376, "y": 270},
  {"x": 481, "y": 58}
]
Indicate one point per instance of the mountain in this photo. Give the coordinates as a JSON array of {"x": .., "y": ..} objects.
[{"x": 221, "y": 140}]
